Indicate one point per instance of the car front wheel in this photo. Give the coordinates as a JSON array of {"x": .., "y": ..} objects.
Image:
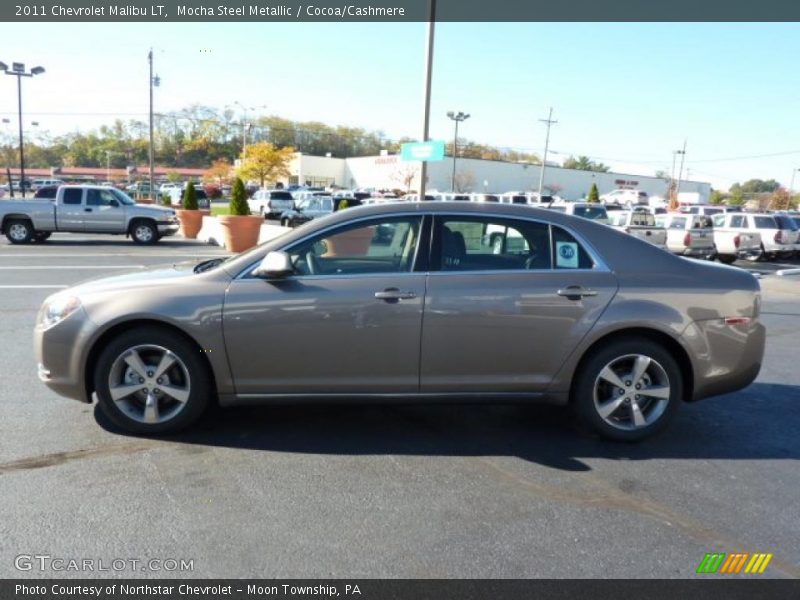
[
  {"x": 628, "y": 390},
  {"x": 144, "y": 232},
  {"x": 152, "y": 381}
]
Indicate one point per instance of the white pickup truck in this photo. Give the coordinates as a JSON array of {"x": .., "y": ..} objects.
[
  {"x": 85, "y": 209},
  {"x": 640, "y": 224},
  {"x": 688, "y": 234},
  {"x": 733, "y": 240}
]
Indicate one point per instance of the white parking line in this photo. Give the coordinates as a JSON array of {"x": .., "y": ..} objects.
[
  {"x": 32, "y": 287},
  {"x": 76, "y": 267}
]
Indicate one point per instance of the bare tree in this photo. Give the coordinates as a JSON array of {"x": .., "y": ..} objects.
[
  {"x": 465, "y": 181},
  {"x": 405, "y": 175}
]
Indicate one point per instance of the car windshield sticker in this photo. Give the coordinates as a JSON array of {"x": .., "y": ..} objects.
[{"x": 567, "y": 255}]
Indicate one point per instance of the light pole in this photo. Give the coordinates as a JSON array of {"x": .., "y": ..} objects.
[
  {"x": 154, "y": 82},
  {"x": 680, "y": 171},
  {"x": 426, "y": 96},
  {"x": 456, "y": 118},
  {"x": 549, "y": 121},
  {"x": 791, "y": 185},
  {"x": 246, "y": 125},
  {"x": 18, "y": 70}
]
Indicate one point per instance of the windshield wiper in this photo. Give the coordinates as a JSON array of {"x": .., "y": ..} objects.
[{"x": 209, "y": 264}]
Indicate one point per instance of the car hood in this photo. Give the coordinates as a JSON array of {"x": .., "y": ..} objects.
[
  {"x": 158, "y": 211},
  {"x": 157, "y": 275}
]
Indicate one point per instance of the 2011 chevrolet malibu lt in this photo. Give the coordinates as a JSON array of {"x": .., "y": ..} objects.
[{"x": 429, "y": 301}]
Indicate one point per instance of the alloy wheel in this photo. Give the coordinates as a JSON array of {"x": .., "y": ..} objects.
[
  {"x": 149, "y": 384},
  {"x": 631, "y": 392}
]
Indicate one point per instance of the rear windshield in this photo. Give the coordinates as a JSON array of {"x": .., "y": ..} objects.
[
  {"x": 281, "y": 196},
  {"x": 765, "y": 223},
  {"x": 643, "y": 219},
  {"x": 702, "y": 222},
  {"x": 519, "y": 200},
  {"x": 591, "y": 212}
]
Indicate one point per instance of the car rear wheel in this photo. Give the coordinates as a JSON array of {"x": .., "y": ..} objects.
[
  {"x": 152, "y": 381},
  {"x": 144, "y": 232},
  {"x": 19, "y": 231},
  {"x": 727, "y": 259},
  {"x": 628, "y": 390}
]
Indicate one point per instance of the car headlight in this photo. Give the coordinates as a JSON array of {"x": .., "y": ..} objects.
[{"x": 55, "y": 309}]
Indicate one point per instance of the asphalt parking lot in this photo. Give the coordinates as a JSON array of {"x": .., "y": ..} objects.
[{"x": 447, "y": 491}]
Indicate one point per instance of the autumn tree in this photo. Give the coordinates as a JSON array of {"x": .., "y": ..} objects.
[
  {"x": 781, "y": 200},
  {"x": 264, "y": 162},
  {"x": 219, "y": 172}
]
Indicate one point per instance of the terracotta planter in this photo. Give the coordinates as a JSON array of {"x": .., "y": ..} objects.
[
  {"x": 354, "y": 242},
  {"x": 145, "y": 201},
  {"x": 191, "y": 222},
  {"x": 240, "y": 232}
]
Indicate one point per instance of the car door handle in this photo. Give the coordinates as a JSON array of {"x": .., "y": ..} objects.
[
  {"x": 576, "y": 292},
  {"x": 390, "y": 294},
  {"x": 87, "y": 210}
]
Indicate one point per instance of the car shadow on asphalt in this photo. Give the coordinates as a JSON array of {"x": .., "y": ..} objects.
[{"x": 760, "y": 422}]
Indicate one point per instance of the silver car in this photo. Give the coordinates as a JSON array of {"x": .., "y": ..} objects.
[{"x": 412, "y": 302}]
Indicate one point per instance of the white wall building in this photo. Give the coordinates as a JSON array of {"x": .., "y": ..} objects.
[{"x": 474, "y": 175}]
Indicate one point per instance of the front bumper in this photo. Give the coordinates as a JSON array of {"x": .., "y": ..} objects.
[
  {"x": 166, "y": 228},
  {"x": 59, "y": 357}
]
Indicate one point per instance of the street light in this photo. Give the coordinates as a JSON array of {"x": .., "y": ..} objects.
[
  {"x": 154, "y": 82},
  {"x": 18, "y": 70},
  {"x": 456, "y": 118}
]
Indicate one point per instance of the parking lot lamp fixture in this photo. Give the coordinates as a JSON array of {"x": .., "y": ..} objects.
[
  {"x": 18, "y": 70},
  {"x": 457, "y": 118}
]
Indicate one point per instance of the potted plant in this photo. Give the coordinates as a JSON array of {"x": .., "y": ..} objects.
[
  {"x": 240, "y": 229},
  {"x": 190, "y": 217}
]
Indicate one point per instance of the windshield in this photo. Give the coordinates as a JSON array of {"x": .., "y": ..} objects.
[{"x": 123, "y": 197}]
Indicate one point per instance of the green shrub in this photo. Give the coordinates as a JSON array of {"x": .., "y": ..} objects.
[
  {"x": 166, "y": 199},
  {"x": 189, "y": 197},
  {"x": 238, "y": 204},
  {"x": 594, "y": 194}
]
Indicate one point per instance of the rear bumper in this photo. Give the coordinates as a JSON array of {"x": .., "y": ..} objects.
[
  {"x": 726, "y": 358},
  {"x": 702, "y": 252}
]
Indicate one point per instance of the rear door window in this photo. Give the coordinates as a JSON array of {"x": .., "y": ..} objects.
[
  {"x": 738, "y": 221},
  {"x": 72, "y": 196},
  {"x": 568, "y": 252},
  {"x": 765, "y": 223}
]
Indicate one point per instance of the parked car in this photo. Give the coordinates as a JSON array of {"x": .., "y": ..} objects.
[
  {"x": 688, "y": 234},
  {"x": 271, "y": 204},
  {"x": 625, "y": 197},
  {"x": 584, "y": 316},
  {"x": 702, "y": 209},
  {"x": 733, "y": 240},
  {"x": 46, "y": 192},
  {"x": 176, "y": 197},
  {"x": 39, "y": 183},
  {"x": 305, "y": 210},
  {"x": 85, "y": 209},
  {"x": 641, "y": 224},
  {"x": 776, "y": 242},
  {"x": 789, "y": 227}
]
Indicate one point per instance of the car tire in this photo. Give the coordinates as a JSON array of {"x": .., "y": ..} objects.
[
  {"x": 144, "y": 232},
  {"x": 186, "y": 377},
  {"x": 626, "y": 413},
  {"x": 19, "y": 231},
  {"x": 727, "y": 259}
]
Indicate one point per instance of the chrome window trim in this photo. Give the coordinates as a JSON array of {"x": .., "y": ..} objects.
[{"x": 600, "y": 265}]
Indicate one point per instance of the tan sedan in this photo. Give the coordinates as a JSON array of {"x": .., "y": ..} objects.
[{"x": 426, "y": 301}]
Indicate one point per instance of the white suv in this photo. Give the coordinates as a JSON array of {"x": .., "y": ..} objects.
[
  {"x": 626, "y": 198},
  {"x": 271, "y": 203},
  {"x": 775, "y": 241}
]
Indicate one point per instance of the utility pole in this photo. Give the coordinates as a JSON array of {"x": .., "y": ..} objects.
[
  {"x": 680, "y": 170},
  {"x": 548, "y": 121},
  {"x": 151, "y": 157},
  {"x": 426, "y": 111}
]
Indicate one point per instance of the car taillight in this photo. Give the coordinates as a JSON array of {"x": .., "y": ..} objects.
[
  {"x": 779, "y": 237},
  {"x": 736, "y": 241},
  {"x": 687, "y": 239}
]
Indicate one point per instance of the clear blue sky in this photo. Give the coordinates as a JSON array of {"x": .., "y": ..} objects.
[{"x": 626, "y": 94}]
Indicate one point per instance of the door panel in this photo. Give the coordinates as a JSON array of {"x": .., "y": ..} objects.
[
  {"x": 504, "y": 332},
  {"x": 320, "y": 335},
  {"x": 70, "y": 210}
]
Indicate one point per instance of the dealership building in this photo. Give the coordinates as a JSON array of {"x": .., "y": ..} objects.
[{"x": 389, "y": 171}]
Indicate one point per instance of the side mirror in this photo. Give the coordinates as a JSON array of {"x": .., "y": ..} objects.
[{"x": 274, "y": 265}]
